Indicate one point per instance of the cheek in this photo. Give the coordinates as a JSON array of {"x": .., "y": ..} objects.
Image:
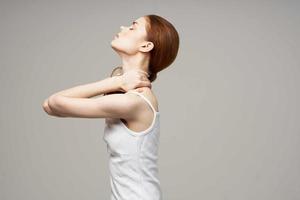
[{"x": 131, "y": 40}]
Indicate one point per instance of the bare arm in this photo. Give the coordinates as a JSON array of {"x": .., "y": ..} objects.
[
  {"x": 107, "y": 85},
  {"x": 75, "y": 102},
  {"x": 109, "y": 106}
]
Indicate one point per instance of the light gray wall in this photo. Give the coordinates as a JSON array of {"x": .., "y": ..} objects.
[{"x": 229, "y": 103}]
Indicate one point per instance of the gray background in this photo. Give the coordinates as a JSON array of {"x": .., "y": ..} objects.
[{"x": 229, "y": 103}]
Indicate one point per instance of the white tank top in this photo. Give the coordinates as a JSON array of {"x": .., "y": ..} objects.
[{"x": 133, "y": 159}]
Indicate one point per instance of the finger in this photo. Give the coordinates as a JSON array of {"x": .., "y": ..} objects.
[
  {"x": 143, "y": 84},
  {"x": 147, "y": 84},
  {"x": 144, "y": 78},
  {"x": 140, "y": 90},
  {"x": 143, "y": 72}
]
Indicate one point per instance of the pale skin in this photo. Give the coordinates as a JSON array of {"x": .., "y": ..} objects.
[{"x": 133, "y": 49}]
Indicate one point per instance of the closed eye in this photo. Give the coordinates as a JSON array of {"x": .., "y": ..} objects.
[{"x": 133, "y": 23}]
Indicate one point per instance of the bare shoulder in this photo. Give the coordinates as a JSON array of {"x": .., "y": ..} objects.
[{"x": 149, "y": 94}]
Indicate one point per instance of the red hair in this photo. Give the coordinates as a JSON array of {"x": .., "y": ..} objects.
[{"x": 165, "y": 38}]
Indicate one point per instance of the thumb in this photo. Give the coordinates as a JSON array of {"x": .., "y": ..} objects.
[
  {"x": 143, "y": 72},
  {"x": 139, "y": 89},
  {"x": 147, "y": 84}
]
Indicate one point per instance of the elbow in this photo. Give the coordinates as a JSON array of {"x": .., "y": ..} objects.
[
  {"x": 53, "y": 103},
  {"x": 46, "y": 106},
  {"x": 50, "y": 105}
]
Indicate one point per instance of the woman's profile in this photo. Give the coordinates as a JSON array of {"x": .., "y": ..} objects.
[{"x": 128, "y": 105}]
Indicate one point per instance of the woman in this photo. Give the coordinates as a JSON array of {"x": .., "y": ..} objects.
[{"x": 128, "y": 105}]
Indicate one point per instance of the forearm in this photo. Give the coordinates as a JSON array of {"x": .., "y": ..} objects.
[{"x": 107, "y": 85}]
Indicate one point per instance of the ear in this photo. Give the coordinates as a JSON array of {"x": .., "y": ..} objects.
[{"x": 146, "y": 46}]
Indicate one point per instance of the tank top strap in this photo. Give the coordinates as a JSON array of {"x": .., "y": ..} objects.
[{"x": 147, "y": 100}]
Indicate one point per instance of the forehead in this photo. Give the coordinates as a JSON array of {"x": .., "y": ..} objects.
[
  {"x": 141, "y": 26},
  {"x": 141, "y": 22}
]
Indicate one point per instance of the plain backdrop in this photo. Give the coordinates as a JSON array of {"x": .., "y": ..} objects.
[{"x": 229, "y": 103}]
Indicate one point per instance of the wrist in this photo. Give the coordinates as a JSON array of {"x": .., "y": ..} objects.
[{"x": 118, "y": 83}]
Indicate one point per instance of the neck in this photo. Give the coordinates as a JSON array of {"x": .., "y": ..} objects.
[{"x": 138, "y": 61}]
